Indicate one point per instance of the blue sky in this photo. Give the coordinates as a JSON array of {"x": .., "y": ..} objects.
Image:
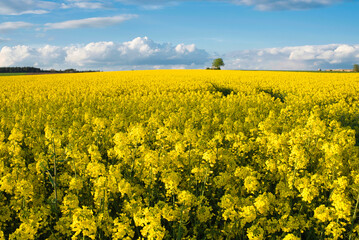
[{"x": 152, "y": 34}]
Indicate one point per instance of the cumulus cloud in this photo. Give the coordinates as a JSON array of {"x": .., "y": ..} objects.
[
  {"x": 310, "y": 57},
  {"x": 96, "y": 22},
  {"x": 143, "y": 53},
  {"x": 18, "y": 7},
  {"x": 12, "y": 55},
  {"x": 7, "y": 26},
  {"x": 264, "y": 5},
  {"x": 139, "y": 53}
]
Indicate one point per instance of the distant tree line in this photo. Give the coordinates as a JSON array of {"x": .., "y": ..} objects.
[
  {"x": 37, "y": 70},
  {"x": 20, "y": 70}
]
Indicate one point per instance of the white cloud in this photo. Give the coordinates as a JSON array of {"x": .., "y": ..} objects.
[
  {"x": 50, "y": 52},
  {"x": 7, "y": 26},
  {"x": 96, "y": 22},
  {"x": 152, "y": 4},
  {"x": 181, "y": 48},
  {"x": 18, "y": 7},
  {"x": 143, "y": 53},
  {"x": 139, "y": 53},
  {"x": 310, "y": 57},
  {"x": 83, "y": 4},
  {"x": 12, "y": 55},
  {"x": 268, "y": 5},
  {"x": 264, "y": 5},
  {"x": 4, "y": 39}
]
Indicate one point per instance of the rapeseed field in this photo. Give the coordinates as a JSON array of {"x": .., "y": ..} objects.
[{"x": 179, "y": 154}]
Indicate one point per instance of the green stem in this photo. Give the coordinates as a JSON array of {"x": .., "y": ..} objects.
[
  {"x": 354, "y": 217},
  {"x": 179, "y": 233},
  {"x": 151, "y": 188},
  {"x": 73, "y": 163},
  {"x": 189, "y": 158},
  {"x": 133, "y": 163},
  {"x": 205, "y": 182},
  {"x": 55, "y": 174}
]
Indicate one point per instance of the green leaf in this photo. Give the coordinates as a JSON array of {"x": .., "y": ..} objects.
[
  {"x": 63, "y": 160},
  {"x": 51, "y": 179},
  {"x": 43, "y": 167}
]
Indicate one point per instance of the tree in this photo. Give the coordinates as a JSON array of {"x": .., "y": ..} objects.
[
  {"x": 217, "y": 63},
  {"x": 356, "y": 68}
]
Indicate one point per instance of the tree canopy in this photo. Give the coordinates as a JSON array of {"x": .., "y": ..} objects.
[
  {"x": 356, "y": 68},
  {"x": 218, "y": 62}
]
